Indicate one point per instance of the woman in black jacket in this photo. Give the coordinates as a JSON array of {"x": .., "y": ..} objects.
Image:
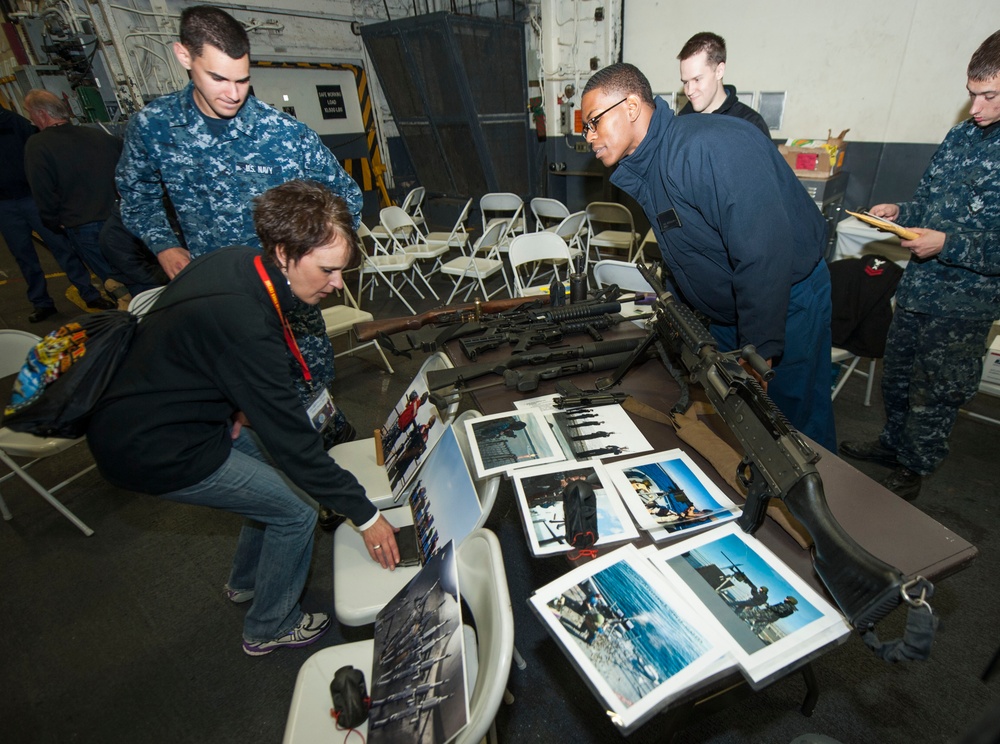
[{"x": 203, "y": 410}]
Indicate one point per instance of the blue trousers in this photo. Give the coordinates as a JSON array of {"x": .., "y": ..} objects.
[
  {"x": 800, "y": 387},
  {"x": 86, "y": 240},
  {"x": 275, "y": 544},
  {"x": 18, "y": 217}
]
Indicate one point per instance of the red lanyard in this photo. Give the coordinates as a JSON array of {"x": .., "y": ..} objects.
[{"x": 289, "y": 336}]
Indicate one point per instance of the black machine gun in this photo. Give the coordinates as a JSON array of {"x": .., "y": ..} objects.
[{"x": 777, "y": 463}]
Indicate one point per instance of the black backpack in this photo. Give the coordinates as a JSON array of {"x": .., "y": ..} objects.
[{"x": 66, "y": 373}]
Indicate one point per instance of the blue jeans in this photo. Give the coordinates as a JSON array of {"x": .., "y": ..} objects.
[
  {"x": 275, "y": 544},
  {"x": 86, "y": 240},
  {"x": 801, "y": 384},
  {"x": 18, "y": 217}
]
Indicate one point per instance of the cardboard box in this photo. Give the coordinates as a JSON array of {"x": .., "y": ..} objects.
[
  {"x": 991, "y": 365},
  {"x": 815, "y": 158}
]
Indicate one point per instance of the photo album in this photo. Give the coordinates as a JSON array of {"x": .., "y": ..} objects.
[
  {"x": 635, "y": 641},
  {"x": 409, "y": 434},
  {"x": 443, "y": 500},
  {"x": 418, "y": 686}
]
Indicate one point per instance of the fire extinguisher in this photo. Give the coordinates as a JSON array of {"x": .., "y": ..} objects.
[{"x": 538, "y": 114}]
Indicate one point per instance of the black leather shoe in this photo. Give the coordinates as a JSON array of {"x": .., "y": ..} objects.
[
  {"x": 873, "y": 451},
  {"x": 329, "y": 520},
  {"x": 101, "y": 304},
  {"x": 904, "y": 483},
  {"x": 41, "y": 313}
]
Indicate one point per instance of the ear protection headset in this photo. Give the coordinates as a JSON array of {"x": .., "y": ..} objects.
[{"x": 350, "y": 697}]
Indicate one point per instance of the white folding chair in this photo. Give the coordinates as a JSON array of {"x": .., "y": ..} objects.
[
  {"x": 362, "y": 587},
  {"x": 529, "y": 249},
  {"x": 406, "y": 238},
  {"x": 483, "y": 585},
  {"x": 416, "y": 208},
  {"x": 380, "y": 232},
  {"x": 622, "y": 273},
  {"x": 849, "y": 362},
  {"x": 571, "y": 229},
  {"x": 503, "y": 206},
  {"x": 14, "y": 348},
  {"x": 611, "y": 226},
  {"x": 381, "y": 265},
  {"x": 141, "y": 303},
  {"x": 340, "y": 320},
  {"x": 458, "y": 237},
  {"x": 548, "y": 212},
  {"x": 479, "y": 267},
  {"x": 648, "y": 241}
]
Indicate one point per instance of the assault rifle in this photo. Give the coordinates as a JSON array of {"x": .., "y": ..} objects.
[
  {"x": 459, "y": 377},
  {"x": 777, "y": 463},
  {"x": 527, "y": 332},
  {"x": 524, "y": 322},
  {"x": 525, "y": 381}
]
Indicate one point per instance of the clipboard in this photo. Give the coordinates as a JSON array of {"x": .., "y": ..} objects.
[{"x": 884, "y": 225}]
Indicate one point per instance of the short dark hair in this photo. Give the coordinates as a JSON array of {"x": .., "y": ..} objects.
[
  {"x": 203, "y": 24},
  {"x": 302, "y": 215},
  {"x": 621, "y": 78},
  {"x": 985, "y": 62},
  {"x": 712, "y": 44}
]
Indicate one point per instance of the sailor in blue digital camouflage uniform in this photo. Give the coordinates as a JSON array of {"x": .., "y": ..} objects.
[
  {"x": 949, "y": 295},
  {"x": 213, "y": 147}
]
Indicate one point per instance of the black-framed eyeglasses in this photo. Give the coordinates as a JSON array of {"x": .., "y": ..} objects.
[{"x": 591, "y": 124}]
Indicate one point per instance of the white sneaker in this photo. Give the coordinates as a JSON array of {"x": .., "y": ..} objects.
[{"x": 310, "y": 629}]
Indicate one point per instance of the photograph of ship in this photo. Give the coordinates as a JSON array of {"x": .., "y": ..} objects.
[
  {"x": 512, "y": 439},
  {"x": 540, "y": 498},
  {"x": 668, "y": 494},
  {"x": 636, "y": 644},
  {"x": 443, "y": 498},
  {"x": 418, "y": 688},
  {"x": 772, "y": 617}
]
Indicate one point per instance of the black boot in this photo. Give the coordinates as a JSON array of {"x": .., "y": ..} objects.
[
  {"x": 873, "y": 451},
  {"x": 904, "y": 483}
]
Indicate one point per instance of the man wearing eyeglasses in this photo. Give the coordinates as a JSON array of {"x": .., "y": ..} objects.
[{"x": 736, "y": 229}]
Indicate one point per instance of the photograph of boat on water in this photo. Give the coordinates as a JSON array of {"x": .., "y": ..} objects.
[
  {"x": 773, "y": 620},
  {"x": 635, "y": 641},
  {"x": 669, "y": 495}
]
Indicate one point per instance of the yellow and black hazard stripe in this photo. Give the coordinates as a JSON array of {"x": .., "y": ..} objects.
[{"x": 367, "y": 172}]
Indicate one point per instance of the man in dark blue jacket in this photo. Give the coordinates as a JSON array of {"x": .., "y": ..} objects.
[{"x": 740, "y": 235}]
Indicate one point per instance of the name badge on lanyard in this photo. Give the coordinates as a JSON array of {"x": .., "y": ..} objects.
[{"x": 321, "y": 410}]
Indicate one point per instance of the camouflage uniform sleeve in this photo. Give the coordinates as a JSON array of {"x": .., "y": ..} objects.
[
  {"x": 973, "y": 240},
  {"x": 138, "y": 180},
  {"x": 323, "y": 167}
]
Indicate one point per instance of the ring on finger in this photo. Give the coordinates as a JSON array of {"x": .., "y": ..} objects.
[{"x": 376, "y": 547}]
